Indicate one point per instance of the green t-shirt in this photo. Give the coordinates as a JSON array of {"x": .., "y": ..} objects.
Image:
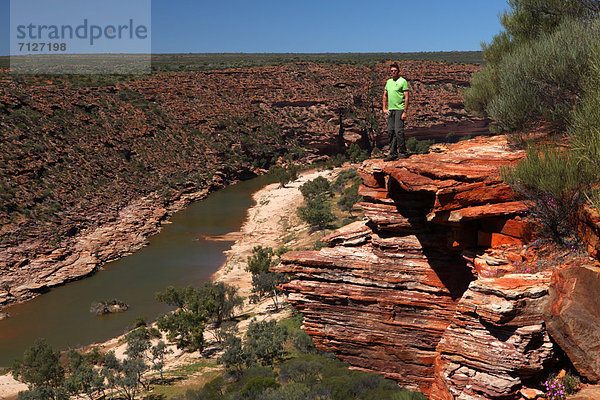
[{"x": 395, "y": 91}]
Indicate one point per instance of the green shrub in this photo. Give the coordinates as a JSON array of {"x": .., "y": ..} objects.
[
  {"x": 317, "y": 213},
  {"x": 484, "y": 87},
  {"x": 319, "y": 186},
  {"x": 265, "y": 341},
  {"x": 555, "y": 183},
  {"x": 336, "y": 161},
  {"x": 41, "y": 370},
  {"x": 302, "y": 341},
  {"x": 571, "y": 382},
  {"x": 284, "y": 175},
  {"x": 376, "y": 152},
  {"x": 585, "y": 127},
  {"x": 256, "y": 386},
  {"x": 356, "y": 154},
  {"x": 535, "y": 67},
  {"x": 415, "y": 146},
  {"x": 543, "y": 78},
  {"x": 261, "y": 260},
  {"x": 345, "y": 176},
  {"x": 185, "y": 326},
  {"x": 349, "y": 198},
  {"x": 265, "y": 282}
]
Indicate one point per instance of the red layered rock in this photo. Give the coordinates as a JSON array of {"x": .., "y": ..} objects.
[
  {"x": 573, "y": 317},
  {"x": 588, "y": 229},
  {"x": 382, "y": 306},
  {"x": 496, "y": 339},
  {"x": 388, "y": 292}
]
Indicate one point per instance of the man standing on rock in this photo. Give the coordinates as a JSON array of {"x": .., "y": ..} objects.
[{"x": 395, "y": 105}]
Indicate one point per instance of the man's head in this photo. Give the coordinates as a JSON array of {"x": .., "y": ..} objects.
[{"x": 395, "y": 70}]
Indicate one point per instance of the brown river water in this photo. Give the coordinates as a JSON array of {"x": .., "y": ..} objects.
[{"x": 179, "y": 255}]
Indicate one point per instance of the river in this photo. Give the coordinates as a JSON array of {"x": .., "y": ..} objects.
[{"x": 176, "y": 256}]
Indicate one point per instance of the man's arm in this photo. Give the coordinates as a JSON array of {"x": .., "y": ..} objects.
[
  {"x": 385, "y": 102},
  {"x": 404, "y": 115}
]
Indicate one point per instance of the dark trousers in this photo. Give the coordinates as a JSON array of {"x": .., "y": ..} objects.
[{"x": 396, "y": 133}]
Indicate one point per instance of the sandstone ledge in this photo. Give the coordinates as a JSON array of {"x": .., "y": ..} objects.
[{"x": 410, "y": 292}]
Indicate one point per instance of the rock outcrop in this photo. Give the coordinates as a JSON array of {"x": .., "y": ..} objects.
[
  {"x": 424, "y": 290},
  {"x": 496, "y": 340},
  {"x": 573, "y": 317}
]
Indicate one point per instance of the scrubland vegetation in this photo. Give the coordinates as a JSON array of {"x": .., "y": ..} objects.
[
  {"x": 275, "y": 360},
  {"x": 541, "y": 75},
  {"x": 209, "y": 61}
]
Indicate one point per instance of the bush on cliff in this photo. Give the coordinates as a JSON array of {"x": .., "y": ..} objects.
[
  {"x": 544, "y": 67},
  {"x": 585, "y": 127},
  {"x": 535, "y": 68},
  {"x": 556, "y": 183},
  {"x": 541, "y": 80}
]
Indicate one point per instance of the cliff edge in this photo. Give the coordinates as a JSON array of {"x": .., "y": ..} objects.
[{"x": 439, "y": 287}]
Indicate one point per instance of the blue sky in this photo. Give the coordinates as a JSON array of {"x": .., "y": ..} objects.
[{"x": 188, "y": 26}]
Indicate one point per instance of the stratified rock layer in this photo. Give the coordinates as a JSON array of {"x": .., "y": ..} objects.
[
  {"x": 573, "y": 317},
  {"x": 496, "y": 339},
  {"x": 397, "y": 291},
  {"x": 382, "y": 306}
]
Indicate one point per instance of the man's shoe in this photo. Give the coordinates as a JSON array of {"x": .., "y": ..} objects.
[
  {"x": 390, "y": 158},
  {"x": 402, "y": 155}
]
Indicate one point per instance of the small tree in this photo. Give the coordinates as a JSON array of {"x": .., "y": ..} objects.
[
  {"x": 416, "y": 146},
  {"x": 356, "y": 154},
  {"x": 41, "y": 370},
  {"x": 316, "y": 213},
  {"x": 265, "y": 341},
  {"x": 225, "y": 331},
  {"x": 261, "y": 260},
  {"x": 83, "y": 377},
  {"x": 264, "y": 282},
  {"x": 343, "y": 178},
  {"x": 185, "y": 326},
  {"x": 315, "y": 188},
  {"x": 349, "y": 198},
  {"x": 157, "y": 357},
  {"x": 220, "y": 300},
  {"x": 284, "y": 174},
  {"x": 234, "y": 357},
  {"x": 125, "y": 375}
]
